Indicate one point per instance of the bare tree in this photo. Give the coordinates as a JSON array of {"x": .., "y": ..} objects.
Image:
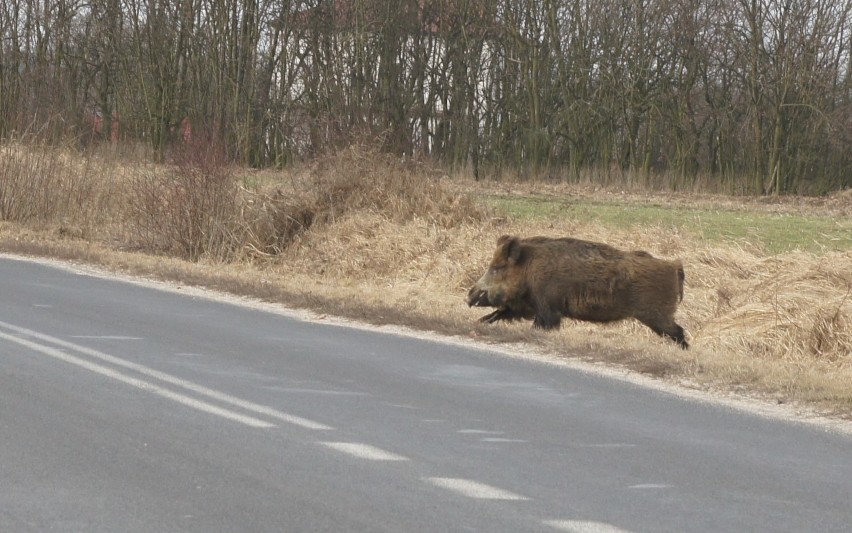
[{"x": 754, "y": 95}]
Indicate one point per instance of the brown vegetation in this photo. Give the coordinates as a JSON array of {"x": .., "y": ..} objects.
[{"x": 393, "y": 241}]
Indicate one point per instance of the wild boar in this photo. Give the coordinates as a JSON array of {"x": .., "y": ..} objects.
[{"x": 546, "y": 279}]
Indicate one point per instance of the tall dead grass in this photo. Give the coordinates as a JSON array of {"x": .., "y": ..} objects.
[
  {"x": 354, "y": 182},
  {"x": 43, "y": 185},
  {"x": 795, "y": 306}
]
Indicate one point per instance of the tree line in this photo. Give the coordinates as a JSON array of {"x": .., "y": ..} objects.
[{"x": 755, "y": 95}]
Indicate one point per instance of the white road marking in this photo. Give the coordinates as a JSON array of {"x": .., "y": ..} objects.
[
  {"x": 107, "y": 337},
  {"x": 364, "y": 451},
  {"x": 167, "y": 378},
  {"x": 499, "y": 439},
  {"x": 140, "y": 384},
  {"x": 583, "y": 526},
  {"x": 319, "y": 391},
  {"x": 474, "y": 489},
  {"x": 402, "y": 406},
  {"x": 602, "y": 445},
  {"x": 43, "y": 306},
  {"x": 478, "y": 432}
]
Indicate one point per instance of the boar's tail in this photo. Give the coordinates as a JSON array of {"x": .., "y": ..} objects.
[{"x": 680, "y": 277}]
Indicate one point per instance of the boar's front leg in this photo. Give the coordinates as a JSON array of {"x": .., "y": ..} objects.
[
  {"x": 546, "y": 318},
  {"x": 504, "y": 313},
  {"x": 544, "y": 313}
]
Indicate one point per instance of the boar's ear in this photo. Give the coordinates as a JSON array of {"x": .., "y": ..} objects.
[
  {"x": 514, "y": 250},
  {"x": 510, "y": 248}
]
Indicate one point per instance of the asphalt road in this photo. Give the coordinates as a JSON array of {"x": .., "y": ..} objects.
[{"x": 125, "y": 408}]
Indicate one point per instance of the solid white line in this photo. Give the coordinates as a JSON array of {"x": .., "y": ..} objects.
[
  {"x": 474, "y": 489},
  {"x": 140, "y": 384},
  {"x": 364, "y": 451},
  {"x": 583, "y": 526},
  {"x": 107, "y": 337},
  {"x": 167, "y": 378},
  {"x": 320, "y": 391}
]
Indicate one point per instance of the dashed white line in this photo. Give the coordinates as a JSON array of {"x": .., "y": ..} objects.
[
  {"x": 364, "y": 451},
  {"x": 474, "y": 489},
  {"x": 402, "y": 406},
  {"x": 583, "y": 526},
  {"x": 601, "y": 445},
  {"x": 500, "y": 439},
  {"x": 478, "y": 432}
]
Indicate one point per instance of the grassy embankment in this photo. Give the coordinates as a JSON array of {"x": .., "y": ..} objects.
[{"x": 768, "y": 300}]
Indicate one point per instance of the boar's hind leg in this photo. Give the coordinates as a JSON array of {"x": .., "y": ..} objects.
[
  {"x": 678, "y": 336},
  {"x": 673, "y": 331}
]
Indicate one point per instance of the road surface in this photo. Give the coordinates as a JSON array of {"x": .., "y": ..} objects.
[{"x": 126, "y": 408}]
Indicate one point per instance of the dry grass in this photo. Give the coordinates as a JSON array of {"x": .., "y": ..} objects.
[
  {"x": 388, "y": 241},
  {"x": 41, "y": 186}
]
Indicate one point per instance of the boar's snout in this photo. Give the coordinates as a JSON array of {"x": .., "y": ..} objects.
[{"x": 477, "y": 297}]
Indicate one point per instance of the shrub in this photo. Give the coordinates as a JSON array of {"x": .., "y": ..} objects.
[{"x": 191, "y": 210}]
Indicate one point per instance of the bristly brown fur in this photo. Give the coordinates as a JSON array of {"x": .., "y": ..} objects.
[{"x": 546, "y": 279}]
